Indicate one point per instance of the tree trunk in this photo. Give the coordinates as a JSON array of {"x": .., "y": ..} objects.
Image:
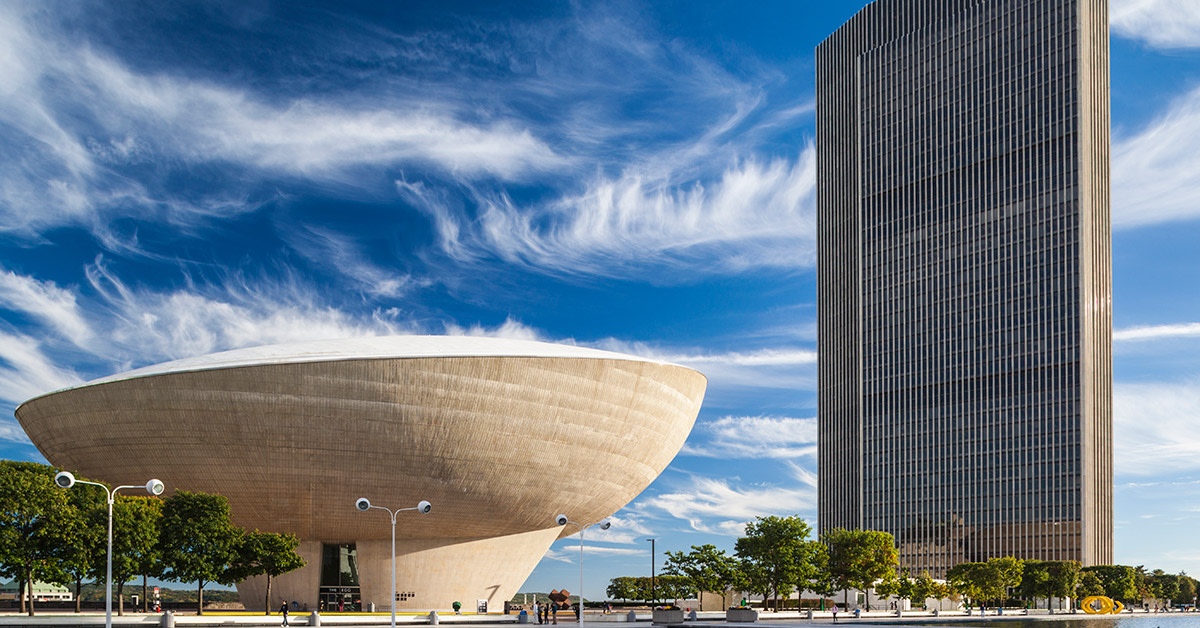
[
  {"x": 200, "y": 597},
  {"x": 121, "y": 598},
  {"x": 29, "y": 588},
  {"x": 21, "y": 592},
  {"x": 267, "y": 607},
  {"x": 78, "y": 592},
  {"x": 145, "y": 598}
]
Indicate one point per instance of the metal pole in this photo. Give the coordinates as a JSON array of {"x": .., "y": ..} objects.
[
  {"x": 653, "y": 591},
  {"x": 581, "y": 528},
  {"x": 108, "y": 586},
  {"x": 394, "y": 569}
]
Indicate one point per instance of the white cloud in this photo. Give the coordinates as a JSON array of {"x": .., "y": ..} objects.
[
  {"x": 1156, "y": 172},
  {"x": 1157, "y": 428},
  {"x": 25, "y": 371},
  {"x": 1157, "y": 332},
  {"x": 116, "y": 327},
  {"x": 779, "y": 367},
  {"x": 572, "y": 551},
  {"x": 81, "y": 117},
  {"x": 153, "y": 325},
  {"x": 627, "y": 529},
  {"x": 510, "y": 328},
  {"x": 561, "y": 555},
  {"x": 753, "y": 215},
  {"x": 45, "y": 301},
  {"x": 344, "y": 254},
  {"x": 1159, "y": 23},
  {"x": 754, "y": 437},
  {"x": 715, "y": 505},
  {"x": 10, "y": 431}
]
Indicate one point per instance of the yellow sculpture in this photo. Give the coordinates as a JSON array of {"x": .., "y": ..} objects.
[{"x": 1100, "y": 605}]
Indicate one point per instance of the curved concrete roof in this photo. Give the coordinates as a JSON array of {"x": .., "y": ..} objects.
[{"x": 370, "y": 348}]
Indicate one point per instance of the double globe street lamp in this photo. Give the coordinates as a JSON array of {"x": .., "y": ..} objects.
[
  {"x": 422, "y": 507},
  {"x": 65, "y": 479},
  {"x": 562, "y": 520}
]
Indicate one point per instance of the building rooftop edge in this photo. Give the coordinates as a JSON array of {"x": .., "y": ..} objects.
[{"x": 365, "y": 348}]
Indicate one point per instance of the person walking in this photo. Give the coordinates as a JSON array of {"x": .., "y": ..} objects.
[
  {"x": 554, "y": 612},
  {"x": 834, "y": 610},
  {"x": 537, "y": 611},
  {"x": 283, "y": 610}
]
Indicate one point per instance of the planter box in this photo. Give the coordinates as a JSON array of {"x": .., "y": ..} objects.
[
  {"x": 741, "y": 615},
  {"x": 668, "y": 617}
]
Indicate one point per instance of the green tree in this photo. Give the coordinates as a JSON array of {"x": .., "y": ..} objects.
[
  {"x": 1164, "y": 586},
  {"x": 898, "y": 585},
  {"x": 1062, "y": 578},
  {"x": 37, "y": 526},
  {"x": 1187, "y": 589},
  {"x": 198, "y": 541},
  {"x": 623, "y": 588},
  {"x": 985, "y": 581},
  {"x": 1089, "y": 585},
  {"x": 857, "y": 559},
  {"x": 1120, "y": 582},
  {"x": 1035, "y": 581},
  {"x": 776, "y": 555},
  {"x": 266, "y": 554},
  {"x": 135, "y": 540},
  {"x": 705, "y": 567},
  {"x": 924, "y": 587},
  {"x": 669, "y": 587},
  {"x": 80, "y": 557}
]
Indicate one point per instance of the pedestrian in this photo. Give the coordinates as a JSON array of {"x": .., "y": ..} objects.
[
  {"x": 341, "y": 606},
  {"x": 283, "y": 610},
  {"x": 578, "y": 608},
  {"x": 537, "y": 611},
  {"x": 554, "y": 612},
  {"x": 546, "y": 613},
  {"x": 834, "y": 610}
]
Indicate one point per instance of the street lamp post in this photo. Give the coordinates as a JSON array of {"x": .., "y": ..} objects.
[
  {"x": 604, "y": 525},
  {"x": 422, "y": 507},
  {"x": 65, "y": 479},
  {"x": 652, "y": 598}
]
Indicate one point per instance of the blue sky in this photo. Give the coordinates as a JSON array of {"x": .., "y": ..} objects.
[{"x": 183, "y": 178}]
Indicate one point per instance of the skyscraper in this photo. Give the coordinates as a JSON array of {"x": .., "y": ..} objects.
[{"x": 965, "y": 286}]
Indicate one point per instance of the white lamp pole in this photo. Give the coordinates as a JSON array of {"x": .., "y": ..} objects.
[
  {"x": 422, "y": 507},
  {"x": 64, "y": 479},
  {"x": 604, "y": 525}
]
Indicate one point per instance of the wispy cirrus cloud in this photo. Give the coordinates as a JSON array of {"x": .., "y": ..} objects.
[
  {"x": 53, "y": 306},
  {"x": 26, "y": 370},
  {"x": 1156, "y": 427},
  {"x": 753, "y": 214},
  {"x": 87, "y": 126},
  {"x": 786, "y": 366},
  {"x": 753, "y": 437},
  {"x": 1156, "y": 171},
  {"x": 1158, "y": 23},
  {"x": 108, "y": 325},
  {"x": 1157, "y": 332},
  {"x": 721, "y": 506}
]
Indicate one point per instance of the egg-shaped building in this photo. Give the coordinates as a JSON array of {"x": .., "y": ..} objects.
[{"x": 499, "y": 435}]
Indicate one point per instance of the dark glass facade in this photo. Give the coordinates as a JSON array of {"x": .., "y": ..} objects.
[{"x": 964, "y": 266}]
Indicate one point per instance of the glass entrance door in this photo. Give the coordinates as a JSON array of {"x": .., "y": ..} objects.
[{"x": 339, "y": 592}]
